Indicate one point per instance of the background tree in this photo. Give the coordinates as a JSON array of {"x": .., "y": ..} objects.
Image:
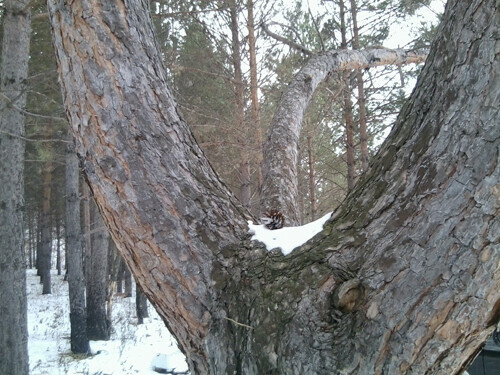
[
  {"x": 16, "y": 20},
  {"x": 98, "y": 324},
  {"x": 74, "y": 247}
]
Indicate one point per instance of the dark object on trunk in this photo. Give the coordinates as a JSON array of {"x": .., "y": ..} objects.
[{"x": 273, "y": 219}]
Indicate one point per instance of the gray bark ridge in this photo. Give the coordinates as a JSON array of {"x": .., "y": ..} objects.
[{"x": 279, "y": 166}]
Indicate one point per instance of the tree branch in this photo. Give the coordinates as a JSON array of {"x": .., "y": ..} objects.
[
  {"x": 281, "y": 151},
  {"x": 286, "y": 41}
]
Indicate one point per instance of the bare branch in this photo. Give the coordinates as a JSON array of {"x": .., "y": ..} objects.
[
  {"x": 285, "y": 40},
  {"x": 5, "y": 98}
]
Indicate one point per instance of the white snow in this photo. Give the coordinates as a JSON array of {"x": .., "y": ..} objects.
[
  {"x": 287, "y": 238},
  {"x": 131, "y": 349}
]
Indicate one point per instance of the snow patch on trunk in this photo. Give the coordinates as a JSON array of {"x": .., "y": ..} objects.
[{"x": 288, "y": 238}]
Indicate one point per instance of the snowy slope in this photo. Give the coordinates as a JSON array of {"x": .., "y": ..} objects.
[{"x": 131, "y": 350}]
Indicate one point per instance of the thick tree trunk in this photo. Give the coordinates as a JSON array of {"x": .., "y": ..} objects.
[
  {"x": 403, "y": 277},
  {"x": 167, "y": 210},
  {"x": 15, "y": 54},
  {"x": 74, "y": 260}
]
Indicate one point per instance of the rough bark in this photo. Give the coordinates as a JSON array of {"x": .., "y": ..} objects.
[
  {"x": 404, "y": 277},
  {"x": 74, "y": 251},
  {"x": 167, "y": 210},
  {"x": 15, "y": 54}
]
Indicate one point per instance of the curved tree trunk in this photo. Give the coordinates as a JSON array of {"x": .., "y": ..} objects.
[
  {"x": 167, "y": 210},
  {"x": 279, "y": 170},
  {"x": 403, "y": 278}
]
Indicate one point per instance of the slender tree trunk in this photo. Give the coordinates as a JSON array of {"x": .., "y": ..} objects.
[
  {"x": 38, "y": 243},
  {"x": 58, "y": 248},
  {"x": 141, "y": 304},
  {"x": 244, "y": 169},
  {"x": 254, "y": 95},
  {"x": 15, "y": 54},
  {"x": 98, "y": 325},
  {"x": 74, "y": 260},
  {"x": 402, "y": 278},
  {"x": 363, "y": 135},
  {"x": 312, "y": 187},
  {"x": 46, "y": 230},
  {"x": 347, "y": 107},
  {"x": 115, "y": 262},
  {"x": 87, "y": 246},
  {"x": 127, "y": 276},
  {"x": 31, "y": 240}
]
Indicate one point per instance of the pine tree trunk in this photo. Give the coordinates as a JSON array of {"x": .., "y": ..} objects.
[
  {"x": 58, "y": 248},
  {"x": 87, "y": 245},
  {"x": 74, "y": 260},
  {"x": 363, "y": 135},
  {"x": 244, "y": 169},
  {"x": 128, "y": 280},
  {"x": 403, "y": 277},
  {"x": 15, "y": 54},
  {"x": 98, "y": 325},
  {"x": 141, "y": 304},
  {"x": 46, "y": 231},
  {"x": 254, "y": 97},
  {"x": 312, "y": 187},
  {"x": 347, "y": 108}
]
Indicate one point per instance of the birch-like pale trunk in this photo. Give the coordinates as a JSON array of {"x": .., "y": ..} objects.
[
  {"x": 279, "y": 169},
  {"x": 404, "y": 277}
]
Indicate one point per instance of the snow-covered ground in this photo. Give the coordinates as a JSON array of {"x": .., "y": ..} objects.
[{"x": 131, "y": 349}]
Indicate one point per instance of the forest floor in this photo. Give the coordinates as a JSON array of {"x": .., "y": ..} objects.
[{"x": 132, "y": 348}]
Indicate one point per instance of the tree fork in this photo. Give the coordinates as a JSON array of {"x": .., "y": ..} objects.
[{"x": 402, "y": 279}]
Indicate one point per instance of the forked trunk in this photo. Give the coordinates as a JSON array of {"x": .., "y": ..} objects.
[{"x": 403, "y": 279}]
